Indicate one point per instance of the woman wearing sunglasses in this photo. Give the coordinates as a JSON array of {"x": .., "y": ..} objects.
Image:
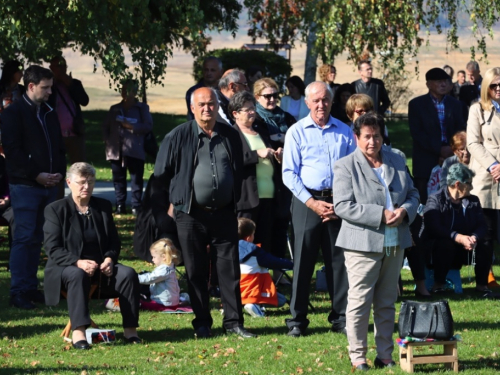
[
  {"x": 271, "y": 119},
  {"x": 483, "y": 143}
]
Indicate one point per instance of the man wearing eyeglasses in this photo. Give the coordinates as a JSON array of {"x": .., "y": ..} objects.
[
  {"x": 232, "y": 81},
  {"x": 433, "y": 118},
  {"x": 372, "y": 87}
]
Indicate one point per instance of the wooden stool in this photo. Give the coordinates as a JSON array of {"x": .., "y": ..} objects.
[
  {"x": 408, "y": 360},
  {"x": 66, "y": 333}
]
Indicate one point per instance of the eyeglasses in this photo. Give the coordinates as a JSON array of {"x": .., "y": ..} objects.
[
  {"x": 269, "y": 96},
  {"x": 360, "y": 111},
  {"x": 494, "y": 86},
  {"x": 85, "y": 182},
  {"x": 242, "y": 83},
  {"x": 247, "y": 110}
]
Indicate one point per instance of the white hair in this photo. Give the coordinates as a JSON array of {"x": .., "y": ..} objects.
[
  {"x": 191, "y": 99},
  {"x": 314, "y": 84}
]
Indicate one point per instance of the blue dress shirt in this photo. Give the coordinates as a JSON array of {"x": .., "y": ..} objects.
[{"x": 310, "y": 153}]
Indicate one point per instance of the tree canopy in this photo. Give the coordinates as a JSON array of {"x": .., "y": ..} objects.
[
  {"x": 390, "y": 29},
  {"x": 109, "y": 30}
]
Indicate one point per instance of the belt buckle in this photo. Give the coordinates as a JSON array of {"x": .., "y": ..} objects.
[{"x": 325, "y": 193}]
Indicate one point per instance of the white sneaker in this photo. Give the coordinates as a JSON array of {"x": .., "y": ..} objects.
[
  {"x": 112, "y": 304},
  {"x": 254, "y": 310}
]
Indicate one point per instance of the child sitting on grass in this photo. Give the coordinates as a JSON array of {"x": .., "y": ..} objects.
[
  {"x": 163, "y": 285},
  {"x": 256, "y": 284}
]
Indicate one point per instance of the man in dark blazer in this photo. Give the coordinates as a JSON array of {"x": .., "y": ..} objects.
[
  {"x": 372, "y": 87},
  {"x": 471, "y": 92},
  {"x": 433, "y": 118}
]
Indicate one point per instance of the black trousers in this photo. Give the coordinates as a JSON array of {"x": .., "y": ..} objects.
[
  {"x": 123, "y": 284},
  {"x": 262, "y": 215},
  {"x": 448, "y": 255},
  {"x": 219, "y": 229},
  {"x": 311, "y": 234},
  {"x": 136, "y": 169}
]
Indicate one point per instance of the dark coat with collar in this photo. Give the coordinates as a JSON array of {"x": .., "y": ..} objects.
[
  {"x": 64, "y": 243},
  {"x": 175, "y": 165},
  {"x": 439, "y": 217},
  {"x": 78, "y": 96},
  {"x": 29, "y": 148},
  {"x": 469, "y": 94},
  {"x": 426, "y": 131}
]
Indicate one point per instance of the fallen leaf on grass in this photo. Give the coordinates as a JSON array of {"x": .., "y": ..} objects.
[
  {"x": 34, "y": 363},
  {"x": 299, "y": 370},
  {"x": 84, "y": 372},
  {"x": 495, "y": 354},
  {"x": 6, "y": 355}
]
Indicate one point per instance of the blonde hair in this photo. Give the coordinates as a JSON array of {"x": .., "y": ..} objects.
[
  {"x": 324, "y": 70},
  {"x": 489, "y": 76},
  {"x": 262, "y": 84},
  {"x": 358, "y": 100},
  {"x": 166, "y": 248}
]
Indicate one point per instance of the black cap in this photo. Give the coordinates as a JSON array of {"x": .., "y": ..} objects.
[{"x": 436, "y": 74}]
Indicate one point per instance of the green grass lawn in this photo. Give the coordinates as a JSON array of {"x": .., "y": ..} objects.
[{"x": 30, "y": 342}]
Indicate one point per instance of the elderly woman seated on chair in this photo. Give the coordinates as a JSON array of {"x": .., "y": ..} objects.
[{"x": 82, "y": 245}]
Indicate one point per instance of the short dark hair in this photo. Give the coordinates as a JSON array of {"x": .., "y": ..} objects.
[
  {"x": 343, "y": 88},
  {"x": 371, "y": 119},
  {"x": 213, "y": 58},
  {"x": 238, "y": 100},
  {"x": 10, "y": 68},
  {"x": 364, "y": 62},
  {"x": 461, "y": 71},
  {"x": 299, "y": 83},
  {"x": 35, "y": 73},
  {"x": 246, "y": 227}
]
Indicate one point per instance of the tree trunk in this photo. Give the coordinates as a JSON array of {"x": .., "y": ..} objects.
[
  {"x": 143, "y": 85},
  {"x": 311, "y": 56}
]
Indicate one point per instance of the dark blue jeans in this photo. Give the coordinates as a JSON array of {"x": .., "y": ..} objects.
[{"x": 28, "y": 203}]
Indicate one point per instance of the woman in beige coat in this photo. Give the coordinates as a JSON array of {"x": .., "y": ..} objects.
[{"x": 483, "y": 142}]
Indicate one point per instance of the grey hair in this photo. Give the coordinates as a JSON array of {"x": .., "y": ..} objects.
[
  {"x": 213, "y": 58},
  {"x": 80, "y": 169},
  {"x": 458, "y": 172},
  {"x": 232, "y": 76},
  {"x": 191, "y": 99},
  {"x": 238, "y": 101},
  {"x": 319, "y": 83},
  {"x": 472, "y": 65}
]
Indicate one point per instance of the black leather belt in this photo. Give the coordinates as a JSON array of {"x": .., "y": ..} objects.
[
  {"x": 321, "y": 193},
  {"x": 206, "y": 208}
]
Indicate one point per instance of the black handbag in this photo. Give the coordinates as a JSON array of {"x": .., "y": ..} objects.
[{"x": 423, "y": 320}]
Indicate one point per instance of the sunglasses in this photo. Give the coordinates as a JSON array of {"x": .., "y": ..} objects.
[
  {"x": 494, "y": 86},
  {"x": 269, "y": 96}
]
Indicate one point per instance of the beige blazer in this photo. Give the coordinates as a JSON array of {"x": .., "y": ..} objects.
[
  {"x": 359, "y": 200},
  {"x": 483, "y": 143}
]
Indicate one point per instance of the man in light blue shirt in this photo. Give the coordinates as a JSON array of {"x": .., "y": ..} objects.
[{"x": 312, "y": 146}]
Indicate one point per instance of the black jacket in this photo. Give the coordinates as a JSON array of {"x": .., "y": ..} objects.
[
  {"x": 77, "y": 94},
  {"x": 63, "y": 239},
  {"x": 426, "y": 131},
  {"x": 30, "y": 148},
  {"x": 469, "y": 94},
  {"x": 175, "y": 165},
  {"x": 376, "y": 90},
  {"x": 439, "y": 217}
]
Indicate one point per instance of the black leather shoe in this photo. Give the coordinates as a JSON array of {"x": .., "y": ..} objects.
[
  {"x": 342, "y": 330},
  {"x": 22, "y": 302},
  {"x": 240, "y": 331},
  {"x": 133, "y": 340},
  {"x": 121, "y": 209},
  {"x": 362, "y": 367},
  {"x": 295, "y": 332},
  {"x": 379, "y": 364},
  {"x": 36, "y": 296},
  {"x": 81, "y": 345},
  {"x": 203, "y": 332}
]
